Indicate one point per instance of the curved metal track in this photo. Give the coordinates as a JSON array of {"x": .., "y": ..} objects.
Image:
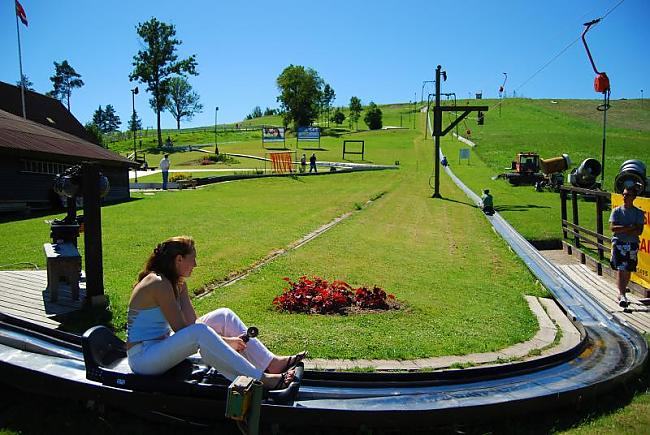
[{"x": 609, "y": 355}]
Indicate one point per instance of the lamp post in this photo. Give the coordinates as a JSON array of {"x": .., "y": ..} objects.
[
  {"x": 422, "y": 90},
  {"x": 426, "y": 125},
  {"x": 415, "y": 108},
  {"x": 641, "y": 97},
  {"x": 216, "y": 146},
  {"x": 134, "y": 92}
]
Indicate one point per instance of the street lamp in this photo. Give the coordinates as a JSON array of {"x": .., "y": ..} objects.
[
  {"x": 422, "y": 90},
  {"x": 641, "y": 97},
  {"x": 216, "y": 146},
  {"x": 134, "y": 92},
  {"x": 426, "y": 125}
]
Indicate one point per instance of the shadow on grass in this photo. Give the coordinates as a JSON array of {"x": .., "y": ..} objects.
[
  {"x": 460, "y": 202},
  {"x": 59, "y": 211},
  {"x": 518, "y": 207}
]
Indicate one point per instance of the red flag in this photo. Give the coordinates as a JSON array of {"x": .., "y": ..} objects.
[{"x": 20, "y": 13}]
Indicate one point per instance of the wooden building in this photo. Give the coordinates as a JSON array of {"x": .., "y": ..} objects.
[{"x": 34, "y": 150}]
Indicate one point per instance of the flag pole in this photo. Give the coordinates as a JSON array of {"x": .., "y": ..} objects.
[{"x": 20, "y": 63}]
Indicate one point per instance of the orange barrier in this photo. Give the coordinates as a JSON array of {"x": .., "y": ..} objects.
[{"x": 281, "y": 163}]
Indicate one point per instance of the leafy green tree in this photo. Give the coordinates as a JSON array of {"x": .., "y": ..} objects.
[
  {"x": 26, "y": 82},
  {"x": 182, "y": 103},
  {"x": 99, "y": 118},
  {"x": 111, "y": 119},
  {"x": 373, "y": 117},
  {"x": 64, "y": 80},
  {"x": 269, "y": 112},
  {"x": 327, "y": 99},
  {"x": 135, "y": 123},
  {"x": 95, "y": 132},
  {"x": 355, "y": 111},
  {"x": 300, "y": 95},
  {"x": 106, "y": 119},
  {"x": 157, "y": 63},
  {"x": 338, "y": 116}
]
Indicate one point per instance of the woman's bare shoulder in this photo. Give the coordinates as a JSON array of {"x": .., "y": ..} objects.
[{"x": 146, "y": 291}]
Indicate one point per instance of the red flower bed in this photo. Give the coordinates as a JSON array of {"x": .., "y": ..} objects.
[{"x": 319, "y": 296}]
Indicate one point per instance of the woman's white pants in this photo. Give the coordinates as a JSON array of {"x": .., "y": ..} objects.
[{"x": 154, "y": 357}]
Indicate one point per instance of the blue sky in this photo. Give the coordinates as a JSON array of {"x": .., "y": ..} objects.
[{"x": 380, "y": 51}]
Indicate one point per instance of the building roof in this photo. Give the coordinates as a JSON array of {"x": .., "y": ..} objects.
[
  {"x": 18, "y": 135},
  {"x": 42, "y": 109}
]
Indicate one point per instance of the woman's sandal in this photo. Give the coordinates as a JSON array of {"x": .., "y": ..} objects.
[
  {"x": 283, "y": 382},
  {"x": 294, "y": 360}
]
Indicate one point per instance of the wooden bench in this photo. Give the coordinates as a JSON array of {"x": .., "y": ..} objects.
[{"x": 63, "y": 261}]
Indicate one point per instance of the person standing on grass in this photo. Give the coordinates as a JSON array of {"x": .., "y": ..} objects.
[
  {"x": 164, "y": 167},
  {"x": 303, "y": 163},
  {"x": 312, "y": 163},
  {"x": 626, "y": 222}
]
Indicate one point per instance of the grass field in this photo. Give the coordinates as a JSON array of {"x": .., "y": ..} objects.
[{"x": 434, "y": 255}]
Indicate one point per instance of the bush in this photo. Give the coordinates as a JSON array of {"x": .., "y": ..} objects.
[
  {"x": 180, "y": 176},
  {"x": 373, "y": 117},
  {"x": 224, "y": 158},
  {"x": 318, "y": 296}
]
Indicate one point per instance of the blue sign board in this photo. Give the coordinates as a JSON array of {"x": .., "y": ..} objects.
[{"x": 308, "y": 133}]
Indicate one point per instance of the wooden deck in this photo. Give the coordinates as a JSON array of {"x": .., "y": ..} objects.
[
  {"x": 603, "y": 289},
  {"x": 23, "y": 294}
]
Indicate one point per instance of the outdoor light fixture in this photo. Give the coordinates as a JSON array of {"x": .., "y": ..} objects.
[
  {"x": 216, "y": 145},
  {"x": 631, "y": 174},
  {"x": 585, "y": 175},
  {"x": 134, "y": 92}
]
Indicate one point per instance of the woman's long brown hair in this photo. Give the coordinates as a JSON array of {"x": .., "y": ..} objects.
[{"x": 162, "y": 259}]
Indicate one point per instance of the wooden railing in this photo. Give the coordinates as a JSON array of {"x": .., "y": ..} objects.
[{"x": 576, "y": 236}]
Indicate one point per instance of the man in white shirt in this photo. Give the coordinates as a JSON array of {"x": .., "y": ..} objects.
[{"x": 164, "y": 167}]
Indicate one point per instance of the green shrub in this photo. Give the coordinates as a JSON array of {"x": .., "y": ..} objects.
[{"x": 180, "y": 176}]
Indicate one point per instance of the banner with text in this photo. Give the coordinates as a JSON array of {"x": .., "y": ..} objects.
[
  {"x": 308, "y": 133},
  {"x": 642, "y": 274}
]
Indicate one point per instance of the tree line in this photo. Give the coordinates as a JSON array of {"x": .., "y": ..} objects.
[{"x": 304, "y": 95}]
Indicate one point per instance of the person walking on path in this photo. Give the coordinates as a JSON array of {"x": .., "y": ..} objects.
[
  {"x": 487, "y": 202},
  {"x": 164, "y": 167},
  {"x": 626, "y": 222},
  {"x": 303, "y": 163},
  {"x": 312, "y": 163}
]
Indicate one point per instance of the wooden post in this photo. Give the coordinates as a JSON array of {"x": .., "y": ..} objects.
[
  {"x": 563, "y": 212},
  {"x": 576, "y": 222},
  {"x": 599, "y": 230},
  {"x": 93, "y": 236}
]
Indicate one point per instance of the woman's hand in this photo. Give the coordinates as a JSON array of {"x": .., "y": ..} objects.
[{"x": 236, "y": 343}]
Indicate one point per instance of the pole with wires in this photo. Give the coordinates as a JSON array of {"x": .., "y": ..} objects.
[
  {"x": 601, "y": 84},
  {"x": 502, "y": 91}
]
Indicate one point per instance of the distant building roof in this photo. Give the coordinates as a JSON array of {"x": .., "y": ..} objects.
[
  {"x": 20, "y": 136},
  {"x": 42, "y": 109}
]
